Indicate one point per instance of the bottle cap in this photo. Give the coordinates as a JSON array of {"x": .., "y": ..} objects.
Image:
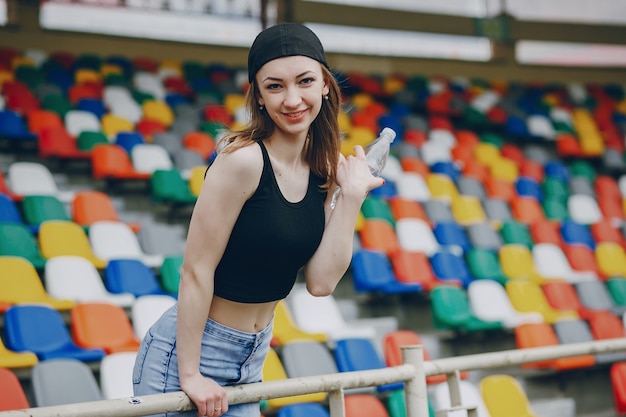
[{"x": 388, "y": 132}]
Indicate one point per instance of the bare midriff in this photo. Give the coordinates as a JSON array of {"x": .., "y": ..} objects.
[{"x": 245, "y": 317}]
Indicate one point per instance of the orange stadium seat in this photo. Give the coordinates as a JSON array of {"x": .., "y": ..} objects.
[
  {"x": 90, "y": 206},
  {"x": 113, "y": 162},
  {"x": 377, "y": 234},
  {"x": 13, "y": 394}
]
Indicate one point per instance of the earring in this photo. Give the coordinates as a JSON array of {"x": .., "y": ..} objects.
[
  {"x": 326, "y": 97},
  {"x": 261, "y": 108}
]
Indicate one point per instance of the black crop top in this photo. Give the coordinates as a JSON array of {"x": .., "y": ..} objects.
[{"x": 271, "y": 240}]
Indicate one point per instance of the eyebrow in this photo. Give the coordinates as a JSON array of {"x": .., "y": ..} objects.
[{"x": 280, "y": 79}]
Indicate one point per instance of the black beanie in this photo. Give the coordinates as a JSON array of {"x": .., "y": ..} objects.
[{"x": 283, "y": 39}]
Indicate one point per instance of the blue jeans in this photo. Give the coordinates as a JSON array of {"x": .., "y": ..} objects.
[{"x": 228, "y": 356}]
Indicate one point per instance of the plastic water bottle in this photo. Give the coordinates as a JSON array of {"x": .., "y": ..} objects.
[{"x": 376, "y": 153}]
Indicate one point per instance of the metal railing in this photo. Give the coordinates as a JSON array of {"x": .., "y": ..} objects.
[{"x": 412, "y": 372}]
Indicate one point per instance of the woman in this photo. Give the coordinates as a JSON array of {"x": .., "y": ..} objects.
[{"x": 262, "y": 214}]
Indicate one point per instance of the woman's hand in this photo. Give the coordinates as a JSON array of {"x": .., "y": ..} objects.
[
  {"x": 354, "y": 176},
  {"x": 207, "y": 395}
]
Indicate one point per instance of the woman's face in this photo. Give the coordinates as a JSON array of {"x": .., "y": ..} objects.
[{"x": 292, "y": 89}]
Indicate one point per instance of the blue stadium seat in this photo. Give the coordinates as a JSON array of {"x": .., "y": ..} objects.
[
  {"x": 128, "y": 139},
  {"x": 557, "y": 170},
  {"x": 359, "y": 355},
  {"x": 131, "y": 276},
  {"x": 448, "y": 168},
  {"x": 449, "y": 266},
  {"x": 9, "y": 212},
  {"x": 40, "y": 329},
  {"x": 92, "y": 105},
  {"x": 372, "y": 272},
  {"x": 576, "y": 233},
  {"x": 451, "y": 234},
  {"x": 13, "y": 127},
  {"x": 303, "y": 410},
  {"x": 528, "y": 187}
]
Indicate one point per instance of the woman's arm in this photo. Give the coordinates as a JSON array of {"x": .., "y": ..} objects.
[
  {"x": 229, "y": 182},
  {"x": 332, "y": 258}
]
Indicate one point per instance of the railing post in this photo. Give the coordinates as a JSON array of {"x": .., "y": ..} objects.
[
  {"x": 415, "y": 392},
  {"x": 336, "y": 405}
]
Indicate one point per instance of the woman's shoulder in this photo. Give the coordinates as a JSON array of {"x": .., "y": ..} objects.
[{"x": 245, "y": 160}]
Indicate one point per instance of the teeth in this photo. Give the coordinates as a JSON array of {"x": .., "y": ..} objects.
[{"x": 295, "y": 114}]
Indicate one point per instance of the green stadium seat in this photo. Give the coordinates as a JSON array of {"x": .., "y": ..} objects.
[
  {"x": 451, "y": 311},
  {"x": 17, "y": 240}
]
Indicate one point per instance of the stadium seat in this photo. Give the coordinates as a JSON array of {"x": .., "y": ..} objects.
[
  {"x": 595, "y": 296},
  {"x": 377, "y": 208},
  {"x": 77, "y": 279},
  {"x": 606, "y": 231},
  {"x": 484, "y": 236},
  {"x": 545, "y": 231},
  {"x": 472, "y": 187},
  {"x": 526, "y": 210},
  {"x": 90, "y": 206},
  {"x": 303, "y": 358},
  {"x": 582, "y": 259},
  {"x": 527, "y": 297},
  {"x": 583, "y": 209},
  {"x": 470, "y": 396},
  {"x": 450, "y": 266},
  {"x": 61, "y": 238},
  {"x": 286, "y": 330},
  {"x": 532, "y": 335},
  {"x": 576, "y": 331},
  {"x": 576, "y": 233},
  {"x": 13, "y": 127},
  {"x": 28, "y": 288},
  {"x": 529, "y": 188},
  {"x": 128, "y": 140},
  {"x": 40, "y": 208},
  {"x": 87, "y": 140},
  {"x": 103, "y": 325},
  {"x": 169, "y": 186},
  {"x": 555, "y": 209},
  {"x": 611, "y": 259},
  {"x": 360, "y": 354},
  {"x": 372, "y": 273},
  {"x": 116, "y": 240},
  {"x": 504, "y": 397},
  {"x": 437, "y": 210},
  {"x": 15, "y": 360},
  {"x": 497, "y": 211},
  {"x": 451, "y": 310},
  {"x": 41, "y": 330},
  {"x": 64, "y": 381},
  {"x": 17, "y": 240},
  {"x": 515, "y": 232},
  {"x": 451, "y": 235},
  {"x": 303, "y": 410},
  {"x": 13, "y": 394},
  {"x": 169, "y": 273},
  {"x": 551, "y": 263},
  {"x": 149, "y": 157},
  {"x": 467, "y": 210},
  {"x": 554, "y": 188},
  {"x": 518, "y": 264},
  {"x": 34, "y": 178},
  {"x": 322, "y": 315},
  {"x": 112, "y": 162},
  {"x": 617, "y": 288},
  {"x": 273, "y": 370},
  {"x": 563, "y": 296},
  {"x": 199, "y": 142},
  {"x": 484, "y": 264},
  {"x": 364, "y": 405},
  {"x": 412, "y": 235},
  {"x": 394, "y": 341},
  {"x": 412, "y": 267},
  {"x": 489, "y": 302},
  {"x": 618, "y": 386},
  {"x": 146, "y": 310},
  {"x": 123, "y": 276},
  {"x": 79, "y": 121},
  {"x": 441, "y": 187},
  {"x": 379, "y": 235},
  {"x": 116, "y": 375},
  {"x": 605, "y": 325}
]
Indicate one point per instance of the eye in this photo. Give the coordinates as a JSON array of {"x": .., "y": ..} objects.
[
  {"x": 308, "y": 80},
  {"x": 273, "y": 86}
]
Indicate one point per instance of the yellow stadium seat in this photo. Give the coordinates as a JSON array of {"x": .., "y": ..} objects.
[
  {"x": 273, "y": 370},
  {"x": 360, "y": 221},
  {"x": 361, "y": 100},
  {"x": 467, "y": 210},
  {"x": 11, "y": 359},
  {"x": 344, "y": 120},
  {"x": 233, "y": 101},
  {"x": 518, "y": 264},
  {"x": 59, "y": 238},
  {"x": 5, "y": 75},
  {"x": 504, "y": 397},
  {"x": 18, "y": 61},
  {"x": 111, "y": 125},
  {"x": 360, "y": 135},
  {"x": 486, "y": 153},
  {"x": 590, "y": 138},
  {"x": 347, "y": 147},
  {"x": 441, "y": 187},
  {"x": 85, "y": 75},
  {"x": 171, "y": 65},
  {"x": 528, "y": 297},
  {"x": 285, "y": 329},
  {"x": 504, "y": 169},
  {"x": 393, "y": 84},
  {"x": 611, "y": 259},
  {"x": 107, "y": 69},
  {"x": 197, "y": 179},
  {"x": 20, "y": 283},
  {"x": 158, "y": 111}
]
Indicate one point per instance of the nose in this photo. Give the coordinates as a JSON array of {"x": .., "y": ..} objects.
[{"x": 292, "y": 97}]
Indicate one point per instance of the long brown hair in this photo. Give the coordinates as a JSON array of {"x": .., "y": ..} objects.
[{"x": 324, "y": 141}]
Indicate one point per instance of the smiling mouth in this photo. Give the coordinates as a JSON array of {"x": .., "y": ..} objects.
[{"x": 297, "y": 114}]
